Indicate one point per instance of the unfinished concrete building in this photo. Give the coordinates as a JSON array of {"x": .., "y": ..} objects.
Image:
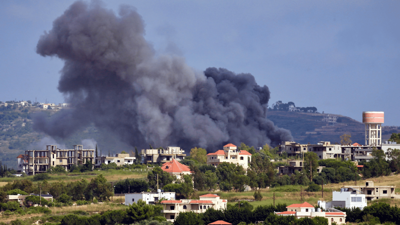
[
  {"x": 373, "y": 192},
  {"x": 39, "y": 161},
  {"x": 162, "y": 155}
]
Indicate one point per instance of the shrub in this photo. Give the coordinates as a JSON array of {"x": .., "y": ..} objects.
[
  {"x": 32, "y": 199},
  {"x": 95, "y": 201},
  {"x": 64, "y": 198},
  {"x": 313, "y": 187},
  {"x": 258, "y": 196},
  {"x": 12, "y": 206},
  {"x": 41, "y": 176},
  {"x": 81, "y": 202}
]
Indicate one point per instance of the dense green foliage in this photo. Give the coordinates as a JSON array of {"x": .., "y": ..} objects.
[
  {"x": 381, "y": 211},
  {"x": 131, "y": 186}
]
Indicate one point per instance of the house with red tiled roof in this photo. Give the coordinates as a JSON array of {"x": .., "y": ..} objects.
[
  {"x": 172, "y": 208},
  {"x": 219, "y": 222},
  {"x": 230, "y": 154},
  {"x": 176, "y": 169},
  {"x": 305, "y": 209}
]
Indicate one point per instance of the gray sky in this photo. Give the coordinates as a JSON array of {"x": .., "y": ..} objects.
[{"x": 341, "y": 56}]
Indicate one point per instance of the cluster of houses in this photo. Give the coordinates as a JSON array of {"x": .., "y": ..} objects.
[{"x": 36, "y": 104}]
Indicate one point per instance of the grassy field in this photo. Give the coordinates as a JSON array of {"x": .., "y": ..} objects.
[{"x": 110, "y": 175}]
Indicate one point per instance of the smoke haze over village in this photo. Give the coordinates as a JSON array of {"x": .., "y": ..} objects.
[{"x": 113, "y": 78}]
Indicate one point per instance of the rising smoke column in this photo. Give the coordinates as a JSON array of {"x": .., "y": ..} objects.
[{"x": 113, "y": 78}]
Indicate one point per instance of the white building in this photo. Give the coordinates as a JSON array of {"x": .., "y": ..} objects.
[
  {"x": 148, "y": 197},
  {"x": 172, "y": 208},
  {"x": 345, "y": 199},
  {"x": 307, "y": 210},
  {"x": 162, "y": 155},
  {"x": 389, "y": 145},
  {"x": 120, "y": 159},
  {"x": 230, "y": 154}
]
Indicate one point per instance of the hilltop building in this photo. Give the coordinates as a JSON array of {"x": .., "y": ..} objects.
[
  {"x": 307, "y": 210},
  {"x": 39, "y": 161},
  {"x": 230, "y": 154},
  {"x": 162, "y": 155},
  {"x": 172, "y": 208}
]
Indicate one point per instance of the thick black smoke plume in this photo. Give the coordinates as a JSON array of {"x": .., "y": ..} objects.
[{"x": 113, "y": 78}]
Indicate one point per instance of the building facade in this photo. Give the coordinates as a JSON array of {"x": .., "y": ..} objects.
[
  {"x": 230, "y": 154},
  {"x": 162, "y": 155},
  {"x": 307, "y": 210},
  {"x": 148, "y": 197},
  {"x": 172, "y": 208},
  {"x": 39, "y": 161}
]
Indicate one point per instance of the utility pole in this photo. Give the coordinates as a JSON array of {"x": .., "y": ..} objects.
[
  {"x": 322, "y": 189},
  {"x": 274, "y": 199},
  {"x": 40, "y": 195},
  {"x": 157, "y": 181},
  {"x": 301, "y": 193}
]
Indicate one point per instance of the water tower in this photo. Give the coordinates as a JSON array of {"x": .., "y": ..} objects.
[{"x": 373, "y": 127}]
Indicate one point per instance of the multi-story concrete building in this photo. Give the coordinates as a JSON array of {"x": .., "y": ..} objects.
[
  {"x": 324, "y": 149},
  {"x": 307, "y": 210},
  {"x": 162, "y": 155},
  {"x": 295, "y": 165},
  {"x": 39, "y": 161},
  {"x": 119, "y": 159},
  {"x": 345, "y": 199},
  {"x": 172, "y": 208},
  {"x": 230, "y": 154},
  {"x": 373, "y": 192},
  {"x": 148, "y": 197}
]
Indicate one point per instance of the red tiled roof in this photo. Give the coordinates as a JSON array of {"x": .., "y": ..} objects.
[
  {"x": 356, "y": 144},
  {"x": 209, "y": 196},
  {"x": 360, "y": 166},
  {"x": 286, "y": 213},
  {"x": 171, "y": 201},
  {"x": 224, "y": 200},
  {"x": 302, "y": 205},
  {"x": 334, "y": 214},
  {"x": 219, "y": 222},
  {"x": 201, "y": 202},
  {"x": 175, "y": 167},
  {"x": 20, "y": 156},
  {"x": 219, "y": 152},
  {"x": 244, "y": 152},
  {"x": 230, "y": 145}
]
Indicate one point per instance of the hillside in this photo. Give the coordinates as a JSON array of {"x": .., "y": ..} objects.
[
  {"x": 313, "y": 127},
  {"x": 16, "y": 134}
]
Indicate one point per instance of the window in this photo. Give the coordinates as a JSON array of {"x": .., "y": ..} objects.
[
  {"x": 172, "y": 207},
  {"x": 172, "y": 217},
  {"x": 356, "y": 199},
  {"x": 306, "y": 210},
  {"x": 330, "y": 149},
  {"x": 184, "y": 207},
  {"x": 226, "y": 157},
  {"x": 117, "y": 160},
  {"x": 369, "y": 192},
  {"x": 129, "y": 161},
  {"x": 341, "y": 220},
  {"x": 53, "y": 163},
  {"x": 241, "y": 158},
  {"x": 60, "y": 160},
  {"x": 167, "y": 167},
  {"x": 332, "y": 219},
  {"x": 376, "y": 189},
  {"x": 366, "y": 184},
  {"x": 384, "y": 191},
  {"x": 133, "y": 199}
]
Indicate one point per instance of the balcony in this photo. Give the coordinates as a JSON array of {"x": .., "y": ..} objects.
[{"x": 170, "y": 211}]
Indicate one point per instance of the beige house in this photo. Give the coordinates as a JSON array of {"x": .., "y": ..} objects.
[
  {"x": 172, "y": 208},
  {"x": 230, "y": 154},
  {"x": 119, "y": 159},
  {"x": 295, "y": 165},
  {"x": 307, "y": 210},
  {"x": 162, "y": 155},
  {"x": 373, "y": 192},
  {"x": 39, "y": 161}
]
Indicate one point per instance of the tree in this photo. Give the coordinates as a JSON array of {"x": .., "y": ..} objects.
[
  {"x": 199, "y": 154},
  {"x": 189, "y": 218},
  {"x": 251, "y": 149},
  {"x": 123, "y": 152},
  {"x": 138, "y": 156},
  {"x": 164, "y": 178},
  {"x": 77, "y": 189},
  {"x": 310, "y": 164},
  {"x": 345, "y": 139},
  {"x": 100, "y": 188},
  {"x": 187, "y": 186},
  {"x": 141, "y": 211},
  {"x": 64, "y": 198},
  {"x": 258, "y": 196},
  {"x": 394, "y": 155},
  {"x": 313, "y": 187},
  {"x": 211, "y": 180},
  {"x": 395, "y": 137}
]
